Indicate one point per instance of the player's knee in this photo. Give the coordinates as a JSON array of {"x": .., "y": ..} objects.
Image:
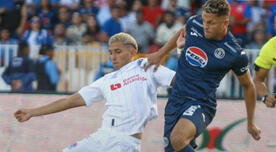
[{"x": 178, "y": 141}]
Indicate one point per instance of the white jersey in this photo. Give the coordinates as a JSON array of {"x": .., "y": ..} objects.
[{"x": 130, "y": 94}]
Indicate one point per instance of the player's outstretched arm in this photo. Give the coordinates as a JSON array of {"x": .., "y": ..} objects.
[
  {"x": 155, "y": 58},
  {"x": 250, "y": 101},
  {"x": 72, "y": 101},
  {"x": 259, "y": 81}
]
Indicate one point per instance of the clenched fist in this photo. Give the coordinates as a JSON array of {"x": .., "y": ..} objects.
[{"x": 22, "y": 115}]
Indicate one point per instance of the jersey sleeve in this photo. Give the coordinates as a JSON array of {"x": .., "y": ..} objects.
[
  {"x": 163, "y": 76},
  {"x": 240, "y": 66},
  {"x": 265, "y": 58},
  {"x": 92, "y": 92}
]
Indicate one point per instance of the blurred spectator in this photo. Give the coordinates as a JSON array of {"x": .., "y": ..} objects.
[
  {"x": 271, "y": 25},
  {"x": 142, "y": 31},
  {"x": 129, "y": 4},
  {"x": 184, "y": 4},
  {"x": 153, "y": 13},
  {"x": 6, "y": 5},
  {"x": 36, "y": 36},
  {"x": 46, "y": 14},
  {"x": 75, "y": 31},
  {"x": 240, "y": 17},
  {"x": 34, "y": 5},
  {"x": 55, "y": 4},
  {"x": 13, "y": 15},
  {"x": 72, "y": 5},
  {"x": 93, "y": 28},
  {"x": 112, "y": 26},
  {"x": 165, "y": 32},
  {"x": 125, "y": 20},
  {"x": 258, "y": 40},
  {"x": 64, "y": 17},
  {"x": 137, "y": 5},
  {"x": 105, "y": 12},
  {"x": 88, "y": 9},
  {"x": 47, "y": 72},
  {"x": 257, "y": 15},
  {"x": 180, "y": 14},
  {"x": 102, "y": 3},
  {"x": 181, "y": 19},
  {"x": 20, "y": 73},
  {"x": 31, "y": 6},
  {"x": 5, "y": 38},
  {"x": 60, "y": 37},
  {"x": 172, "y": 6},
  {"x": 180, "y": 4},
  {"x": 269, "y": 2},
  {"x": 88, "y": 40}
]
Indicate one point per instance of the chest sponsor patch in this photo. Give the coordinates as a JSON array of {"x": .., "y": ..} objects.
[
  {"x": 127, "y": 81},
  {"x": 115, "y": 86},
  {"x": 196, "y": 57}
]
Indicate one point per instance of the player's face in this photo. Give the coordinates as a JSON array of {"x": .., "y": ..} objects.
[
  {"x": 121, "y": 54},
  {"x": 215, "y": 27}
]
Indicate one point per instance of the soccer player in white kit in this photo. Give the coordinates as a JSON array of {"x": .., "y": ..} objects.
[{"x": 130, "y": 94}]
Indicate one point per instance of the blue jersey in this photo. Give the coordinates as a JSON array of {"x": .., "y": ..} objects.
[{"x": 203, "y": 63}]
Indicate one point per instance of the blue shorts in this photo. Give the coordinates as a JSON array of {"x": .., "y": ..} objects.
[{"x": 200, "y": 114}]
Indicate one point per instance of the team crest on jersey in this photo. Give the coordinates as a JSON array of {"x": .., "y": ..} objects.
[
  {"x": 219, "y": 53},
  {"x": 196, "y": 57}
]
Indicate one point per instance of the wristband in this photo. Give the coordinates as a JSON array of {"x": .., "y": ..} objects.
[
  {"x": 179, "y": 50},
  {"x": 263, "y": 99}
]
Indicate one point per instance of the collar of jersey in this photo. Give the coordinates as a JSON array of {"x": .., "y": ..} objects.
[
  {"x": 122, "y": 69},
  {"x": 126, "y": 67}
]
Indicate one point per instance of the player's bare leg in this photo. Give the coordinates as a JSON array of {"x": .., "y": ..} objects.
[{"x": 183, "y": 133}]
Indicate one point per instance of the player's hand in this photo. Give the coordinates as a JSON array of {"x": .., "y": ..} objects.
[
  {"x": 254, "y": 131},
  {"x": 181, "y": 39},
  {"x": 22, "y": 115},
  {"x": 270, "y": 101},
  {"x": 153, "y": 59}
]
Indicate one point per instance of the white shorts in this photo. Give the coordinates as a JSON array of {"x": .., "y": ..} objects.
[{"x": 106, "y": 141}]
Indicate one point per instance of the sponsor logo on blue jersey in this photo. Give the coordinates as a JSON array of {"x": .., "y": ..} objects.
[{"x": 196, "y": 57}]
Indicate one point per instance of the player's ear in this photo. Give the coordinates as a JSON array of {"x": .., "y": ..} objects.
[
  {"x": 133, "y": 51},
  {"x": 226, "y": 21}
]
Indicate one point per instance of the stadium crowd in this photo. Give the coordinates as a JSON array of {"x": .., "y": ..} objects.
[{"x": 151, "y": 22}]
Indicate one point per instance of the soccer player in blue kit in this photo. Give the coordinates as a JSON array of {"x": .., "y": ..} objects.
[{"x": 209, "y": 51}]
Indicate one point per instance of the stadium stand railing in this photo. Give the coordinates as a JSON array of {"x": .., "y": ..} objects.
[{"x": 79, "y": 64}]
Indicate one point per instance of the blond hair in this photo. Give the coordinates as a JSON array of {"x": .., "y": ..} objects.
[{"x": 124, "y": 38}]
